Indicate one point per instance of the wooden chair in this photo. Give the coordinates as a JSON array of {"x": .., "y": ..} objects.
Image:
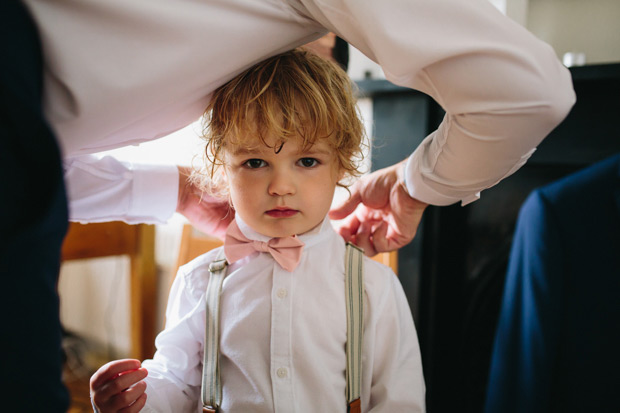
[
  {"x": 138, "y": 242},
  {"x": 195, "y": 243}
]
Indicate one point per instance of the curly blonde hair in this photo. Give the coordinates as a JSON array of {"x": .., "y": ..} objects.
[{"x": 296, "y": 94}]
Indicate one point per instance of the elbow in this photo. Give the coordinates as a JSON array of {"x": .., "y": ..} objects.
[{"x": 559, "y": 97}]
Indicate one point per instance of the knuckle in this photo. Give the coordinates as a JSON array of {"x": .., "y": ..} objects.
[
  {"x": 97, "y": 399},
  {"x": 116, "y": 386},
  {"x": 119, "y": 402},
  {"x": 138, "y": 405},
  {"x": 125, "y": 398}
]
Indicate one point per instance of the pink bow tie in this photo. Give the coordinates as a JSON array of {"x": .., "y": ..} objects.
[{"x": 286, "y": 251}]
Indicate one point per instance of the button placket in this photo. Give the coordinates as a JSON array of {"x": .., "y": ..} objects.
[{"x": 281, "y": 325}]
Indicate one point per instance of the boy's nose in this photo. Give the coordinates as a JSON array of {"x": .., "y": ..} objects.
[{"x": 282, "y": 183}]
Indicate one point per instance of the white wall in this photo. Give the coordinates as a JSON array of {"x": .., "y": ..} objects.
[{"x": 591, "y": 27}]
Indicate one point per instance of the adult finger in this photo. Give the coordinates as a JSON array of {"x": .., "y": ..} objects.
[
  {"x": 379, "y": 240},
  {"x": 397, "y": 239},
  {"x": 362, "y": 239},
  {"x": 349, "y": 227},
  {"x": 110, "y": 370},
  {"x": 348, "y": 206}
]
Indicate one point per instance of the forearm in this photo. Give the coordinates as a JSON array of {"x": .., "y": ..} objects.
[{"x": 108, "y": 190}]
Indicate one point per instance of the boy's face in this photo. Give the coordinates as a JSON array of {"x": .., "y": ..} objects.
[{"x": 282, "y": 194}]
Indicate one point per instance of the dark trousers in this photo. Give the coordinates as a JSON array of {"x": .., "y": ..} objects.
[{"x": 33, "y": 223}]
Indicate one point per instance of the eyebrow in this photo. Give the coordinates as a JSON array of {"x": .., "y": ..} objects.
[
  {"x": 244, "y": 151},
  {"x": 313, "y": 151},
  {"x": 249, "y": 151}
]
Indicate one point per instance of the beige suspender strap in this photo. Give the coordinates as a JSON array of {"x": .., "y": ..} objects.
[
  {"x": 354, "y": 293},
  {"x": 211, "y": 384}
]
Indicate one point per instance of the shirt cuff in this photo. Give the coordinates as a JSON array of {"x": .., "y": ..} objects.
[
  {"x": 418, "y": 189},
  {"x": 155, "y": 191}
]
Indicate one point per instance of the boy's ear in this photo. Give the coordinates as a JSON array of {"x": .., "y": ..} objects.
[{"x": 341, "y": 173}]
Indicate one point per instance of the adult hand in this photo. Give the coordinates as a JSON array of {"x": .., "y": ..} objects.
[
  {"x": 380, "y": 214},
  {"x": 209, "y": 215},
  {"x": 118, "y": 386}
]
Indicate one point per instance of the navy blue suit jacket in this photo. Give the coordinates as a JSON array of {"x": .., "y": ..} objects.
[{"x": 557, "y": 347}]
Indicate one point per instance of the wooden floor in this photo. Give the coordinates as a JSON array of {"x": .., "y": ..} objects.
[
  {"x": 82, "y": 359},
  {"x": 80, "y": 397}
]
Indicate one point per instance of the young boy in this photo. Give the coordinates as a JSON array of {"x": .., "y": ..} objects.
[{"x": 280, "y": 137}]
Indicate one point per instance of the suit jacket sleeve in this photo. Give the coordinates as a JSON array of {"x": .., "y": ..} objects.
[{"x": 530, "y": 318}]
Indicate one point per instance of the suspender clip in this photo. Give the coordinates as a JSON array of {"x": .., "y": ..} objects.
[
  {"x": 355, "y": 406},
  {"x": 350, "y": 244},
  {"x": 218, "y": 265}
]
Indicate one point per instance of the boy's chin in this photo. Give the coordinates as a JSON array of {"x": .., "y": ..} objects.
[
  {"x": 300, "y": 231},
  {"x": 312, "y": 230}
]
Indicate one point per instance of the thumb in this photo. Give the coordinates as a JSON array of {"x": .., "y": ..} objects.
[{"x": 347, "y": 207}]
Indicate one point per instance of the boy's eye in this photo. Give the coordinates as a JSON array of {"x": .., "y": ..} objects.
[
  {"x": 255, "y": 163},
  {"x": 308, "y": 162}
]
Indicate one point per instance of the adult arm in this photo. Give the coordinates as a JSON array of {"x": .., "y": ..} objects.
[
  {"x": 503, "y": 90},
  {"x": 106, "y": 189}
]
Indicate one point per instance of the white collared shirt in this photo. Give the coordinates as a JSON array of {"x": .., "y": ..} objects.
[
  {"x": 283, "y": 336},
  {"x": 122, "y": 72}
]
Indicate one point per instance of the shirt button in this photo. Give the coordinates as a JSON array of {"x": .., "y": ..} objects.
[
  {"x": 282, "y": 293},
  {"x": 282, "y": 372}
]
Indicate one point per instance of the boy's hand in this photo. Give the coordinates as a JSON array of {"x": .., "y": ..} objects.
[
  {"x": 388, "y": 216},
  {"x": 118, "y": 387}
]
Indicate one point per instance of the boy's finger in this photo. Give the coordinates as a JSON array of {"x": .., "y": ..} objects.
[
  {"x": 120, "y": 384},
  {"x": 136, "y": 407},
  {"x": 108, "y": 371},
  {"x": 127, "y": 398}
]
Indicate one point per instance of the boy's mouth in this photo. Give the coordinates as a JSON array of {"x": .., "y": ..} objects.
[{"x": 281, "y": 212}]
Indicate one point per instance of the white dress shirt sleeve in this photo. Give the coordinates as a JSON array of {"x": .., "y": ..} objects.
[
  {"x": 105, "y": 189},
  {"x": 503, "y": 90},
  {"x": 175, "y": 372}
]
